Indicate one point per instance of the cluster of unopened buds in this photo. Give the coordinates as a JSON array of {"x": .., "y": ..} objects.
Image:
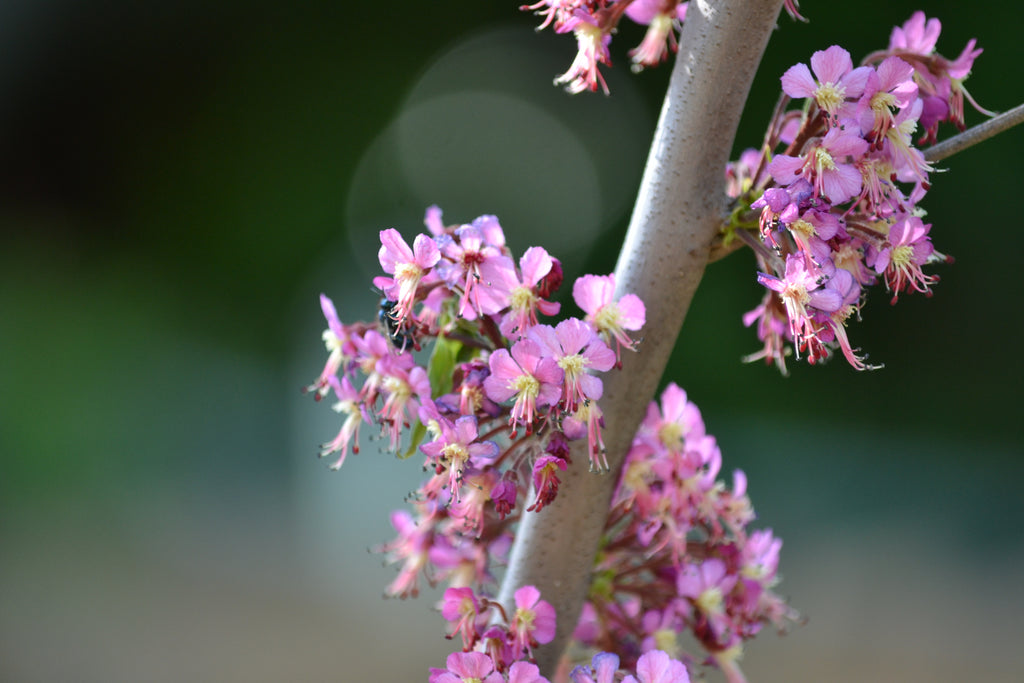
[{"x": 493, "y": 412}]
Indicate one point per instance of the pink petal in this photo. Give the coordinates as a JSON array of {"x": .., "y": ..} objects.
[
  {"x": 798, "y": 82},
  {"x": 831, "y": 65}
]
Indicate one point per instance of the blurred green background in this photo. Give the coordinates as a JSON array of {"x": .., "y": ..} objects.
[{"x": 181, "y": 180}]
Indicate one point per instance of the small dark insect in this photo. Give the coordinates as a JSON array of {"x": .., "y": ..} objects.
[{"x": 400, "y": 338}]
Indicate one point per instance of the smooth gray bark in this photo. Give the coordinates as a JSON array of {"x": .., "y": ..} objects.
[{"x": 678, "y": 212}]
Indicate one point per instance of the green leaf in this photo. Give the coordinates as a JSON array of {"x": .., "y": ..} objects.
[
  {"x": 419, "y": 430},
  {"x": 441, "y": 366}
]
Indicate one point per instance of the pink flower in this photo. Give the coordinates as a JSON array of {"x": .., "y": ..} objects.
[
  {"x": 523, "y": 297},
  {"x": 587, "y": 420},
  {"x": 525, "y": 672},
  {"x": 456, "y": 447},
  {"x": 669, "y": 425},
  {"x": 661, "y": 21},
  {"x": 351, "y": 405},
  {"x": 336, "y": 339},
  {"x": 595, "y": 295},
  {"x": 915, "y": 35},
  {"x": 898, "y": 146},
  {"x": 504, "y": 496},
  {"x": 533, "y": 622},
  {"x": 824, "y": 165},
  {"x": 546, "y": 481},
  {"x": 761, "y": 556},
  {"x": 374, "y": 359},
  {"x": 657, "y": 667},
  {"x": 524, "y": 373},
  {"x": 645, "y": 11},
  {"x": 408, "y": 267},
  {"x": 467, "y": 254},
  {"x": 461, "y": 609},
  {"x": 835, "y": 80},
  {"x": 412, "y": 548},
  {"x": 558, "y": 11},
  {"x": 467, "y": 667},
  {"x": 592, "y": 42},
  {"x": 772, "y": 327},
  {"x": 707, "y": 584},
  {"x": 800, "y": 289},
  {"x": 403, "y": 391},
  {"x": 577, "y": 350},
  {"x": 889, "y": 87},
  {"x": 602, "y": 669},
  {"x": 900, "y": 260}
]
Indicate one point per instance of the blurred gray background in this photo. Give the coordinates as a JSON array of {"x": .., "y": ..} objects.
[{"x": 179, "y": 182}]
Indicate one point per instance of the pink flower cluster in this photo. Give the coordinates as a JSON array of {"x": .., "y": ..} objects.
[
  {"x": 497, "y": 650},
  {"x": 484, "y": 626},
  {"x": 497, "y": 402},
  {"x": 677, "y": 554},
  {"x": 837, "y": 186},
  {"x": 493, "y": 412},
  {"x": 594, "y": 22}
]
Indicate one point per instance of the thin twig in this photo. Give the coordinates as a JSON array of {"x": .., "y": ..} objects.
[{"x": 973, "y": 136}]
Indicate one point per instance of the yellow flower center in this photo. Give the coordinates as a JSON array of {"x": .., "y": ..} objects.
[
  {"x": 397, "y": 388},
  {"x": 902, "y": 256},
  {"x": 883, "y": 102},
  {"x": 522, "y": 298},
  {"x": 671, "y": 434},
  {"x": 455, "y": 453},
  {"x": 473, "y": 396},
  {"x": 635, "y": 476},
  {"x": 829, "y": 96},
  {"x": 665, "y": 640},
  {"x": 796, "y": 294},
  {"x": 823, "y": 160},
  {"x": 607, "y": 318},
  {"x": 407, "y": 271},
  {"x": 802, "y": 227},
  {"x": 572, "y": 365},
  {"x": 331, "y": 340},
  {"x": 525, "y": 617},
  {"x": 847, "y": 257},
  {"x": 526, "y": 385},
  {"x": 710, "y": 601}
]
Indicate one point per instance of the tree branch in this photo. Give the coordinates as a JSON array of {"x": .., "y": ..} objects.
[
  {"x": 677, "y": 215},
  {"x": 972, "y": 136}
]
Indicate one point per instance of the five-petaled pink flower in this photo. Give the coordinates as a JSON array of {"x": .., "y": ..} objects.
[
  {"x": 525, "y": 373},
  {"x": 578, "y": 350},
  {"x": 836, "y": 82},
  {"x": 825, "y": 164},
  {"x": 657, "y": 667},
  {"x": 595, "y": 294},
  {"x": 521, "y": 294},
  {"x": 467, "y": 667},
  {"x": 533, "y": 622},
  {"x": 408, "y": 267},
  {"x": 799, "y": 290},
  {"x": 456, "y": 447},
  {"x": 900, "y": 260}
]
